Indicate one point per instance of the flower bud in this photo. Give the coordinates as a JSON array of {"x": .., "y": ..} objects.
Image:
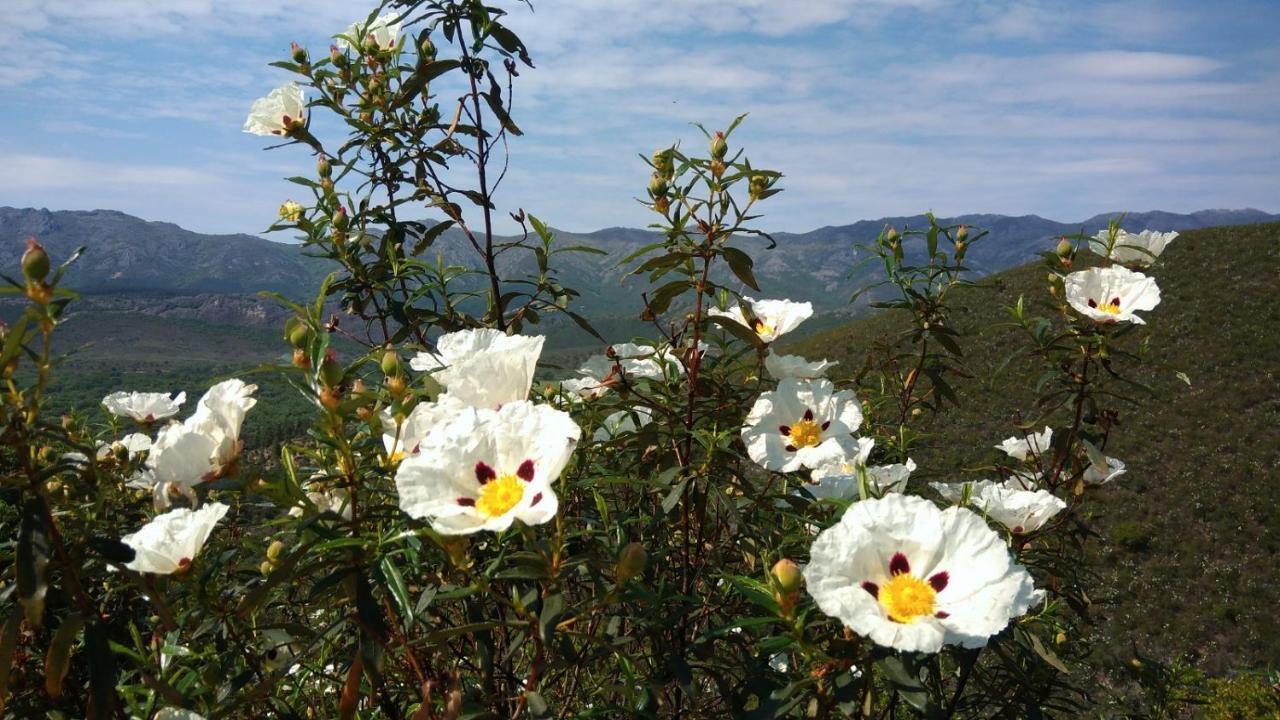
[
  {"x": 336, "y": 56},
  {"x": 266, "y": 567},
  {"x": 962, "y": 234},
  {"x": 1064, "y": 248},
  {"x": 330, "y": 399},
  {"x": 326, "y": 184},
  {"x": 35, "y": 262},
  {"x": 396, "y": 386},
  {"x": 274, "y": 550},
  {"x": 291, "y": 211},
  {"x": 717, "y": 168},
  {"x": 787, "y": 575},
  {"x": 757, "y": 186},
  {"x": 719, "y": 147},
  {"x": 324, "y": 168},
  {"x": 664, "y": 162},
  {"x": 340, "y": 220},
  {"x": 390, "y": 363},
  {"x": 632, "y": 561},
  {"x": 662, "y": 205},
  {"x": 657, "y": 186},
  {"x": 891, "y": 234},
  {"x": 301, "y": 359},
  {"x": 298, "y": 53},
  {"x": 331, "y": 371},
  {"x": 427, "y": 50},
  {"x": 297, "y": 332}
]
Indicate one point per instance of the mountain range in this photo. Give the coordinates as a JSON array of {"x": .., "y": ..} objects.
[{"x": 159, "y": 269}]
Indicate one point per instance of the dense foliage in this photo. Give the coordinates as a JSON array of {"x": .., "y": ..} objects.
[{"x": 450, "y": 542}]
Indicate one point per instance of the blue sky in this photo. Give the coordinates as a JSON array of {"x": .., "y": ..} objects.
[{"x": 869, "y": 107}]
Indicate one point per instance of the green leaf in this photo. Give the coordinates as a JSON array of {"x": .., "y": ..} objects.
[
  {"x": 58, "y": 659},
  {"x": 1047, "y": 655},
  {"x": 741, "y": 264},
  {"x": 8, "y": 644},
  {"x": 33, "y": 558},
  {"x": 429, "y": 237},
  {"x": 102, "y": 669},
  {"x": 553, "y": 608},
  {"x": 661, "y": 298},
  {"x": 738, "y": 330},
  {"x": 500, "y": 112},
  {"x": 414, "y": 86},
  {"x": 903, "y": 675},
  {"x": 395, "y": 582}
]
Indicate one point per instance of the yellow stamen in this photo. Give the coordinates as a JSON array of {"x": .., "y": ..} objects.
[
  {"x": 498, "y": 496},
  {"x": 907, "y": 597},
  {"x": 805, "y": 433},
  {"x": 762, "y": 328}
]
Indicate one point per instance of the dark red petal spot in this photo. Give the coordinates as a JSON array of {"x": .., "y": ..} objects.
[
  {"x": 467, "y": 502},
  {"x": 790, "y": 448},
  {"x": 1115, "y": 301},
  {"x": 898, "y": 564},
  {"x": 942, "y": 614},
  {"x": 784, "y": 429},
  {"x": 939, "y": 580},
  {"x": 1017, "y": 530},
  {"x": 1093, "y": 303},
  {"x": 826, "y": 425},
  {"x": 484, "y": 473},
  {"x": 808, "y": 414},
  {"x": 184, "y": 562},
  {"x": 536, "y": 499},
  {"x": 415, "y": 449},
  {"x": 871, "y": 588},
  {"x": 525, "y": 471}
]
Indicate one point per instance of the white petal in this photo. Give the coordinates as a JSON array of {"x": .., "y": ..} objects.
[{"x": 163, "y": 543}]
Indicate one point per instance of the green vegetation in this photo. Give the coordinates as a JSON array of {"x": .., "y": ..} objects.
[{"x": 1188, "y": 541}]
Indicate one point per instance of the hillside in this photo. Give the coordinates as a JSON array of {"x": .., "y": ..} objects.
[{"x": 1190, "y": 537}]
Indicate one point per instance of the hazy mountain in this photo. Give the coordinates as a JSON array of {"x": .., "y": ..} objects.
[{"x": 159, "y": 269}]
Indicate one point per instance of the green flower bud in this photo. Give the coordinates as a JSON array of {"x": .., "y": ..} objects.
[
  {"x": 663, "y": 162},
  {"x": 757, "y": 186},
  {"x": 962, "y": 234},
  {"x": 337, "y": 57},
  {"x": 340, "y": 220},
  {"x": 35, "y": 261},
  {"x": 1065, "y": 248},
  {"x": 298, "y": 53},
  {"x": 274, "y": 550},
  {"x": 657, "y": 186},
  {"x": 331, "y": 371},
  {"x": 390, "y": 363},
  {"x": 719, "y": 147},
  {"x": 323, "y": 167},
  {"x": 632, "y": 561},
  {"x": 787, "y": 575}
]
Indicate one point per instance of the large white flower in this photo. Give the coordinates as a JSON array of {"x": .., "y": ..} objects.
[
  {"x": 804, "y": 423},
  {"x": 483, "y": 367},
  {"x": 402, "y": 439},
  {"x": 180, "y": 458},
  {"x": 621, "y": 423},
  {"x": 487, "y": 468},
  {"x": 144, "y": 407},
  {"x": 912, "y": 577},
  {"x": 1113, "y": 294},
  {"x": 282, "y": 112},
  {"x": 381, "y": 33},
  {"x": 795, "y": 366},
  {"x": 1130, "y": 248},
  {"x": 171, "y": 541},
  {"x": 1034, "y": 444},
  {"x": 771, "y": 319},
  {"x": 1102, "y": 469},
  {"x": 219, "y": 415},
  {"x": 1012, "y": 503}
]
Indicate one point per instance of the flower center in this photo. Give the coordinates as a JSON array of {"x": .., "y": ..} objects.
[
  {"x": 762, "y": 328},
  {"x": 499, "y": 495},
  {"x": 805, "y": 433},
  {"x": 1110, "y": 308},
  {"x": 907, "y": 597}
]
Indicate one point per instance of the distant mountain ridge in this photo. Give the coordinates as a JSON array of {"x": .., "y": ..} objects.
[{"x": 169, "y": 271}]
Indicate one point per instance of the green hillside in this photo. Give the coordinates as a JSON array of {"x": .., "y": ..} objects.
[{"x": 1189, "y": 539}]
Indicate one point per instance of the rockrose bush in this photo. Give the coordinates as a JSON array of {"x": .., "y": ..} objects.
[{"x": 690, "y": 524}]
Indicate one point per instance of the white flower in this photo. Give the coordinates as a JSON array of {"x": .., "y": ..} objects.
[
  {"x": 133, "y": 444},
  {"x": 1132, "y": 249},
  {"x": 804, "y": 423},
  {"x": 1102, "y": 469},
  {"x": 483, "y": 367},
  {"x": 171, "y": 541},
  {"x": 333, "y": 499},
  {"x": 144, "y": 407},
  {"x": 402, "y": 439},
  {"x": 841, "y": 479},
  {"x": 1019, "y": 507},
  {"x": 219, "y": 415},
  {"x": 1110, "y": 295},
  {"x": 1034, "y": 444},
  {"x": 487, "y": 468},
  {"x": 794, "y": 366},
  {"x": 912, "y": 577},
  {"x": 381, "y": 33},
  {"x": 621, "y": 423},
  {"x": 771, "y": 318},
  {"x": 180, "y": 458},
  {"x": 282, "y": 112}
]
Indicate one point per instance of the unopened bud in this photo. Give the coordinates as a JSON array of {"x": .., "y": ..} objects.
[
  {"x": 632, "y": 561},
  {"x": 1064, "y": 248},
  {"x": 891, "y": 234},
  {"x": 657, "y": 186},
  {"x": 301, "y": 359},
  {"x": 662, "y": 205},
  {"x": 298, "y": 53},
  {"x": 35, "y": 262},
  {"x": 297, "y": 332},
  {"x": 330, "y": 399},
  {"x": 396, "y": 386},
  {"x": 266, "y": 567},
  {"x": 427, "y": 50},
  {"x": 336, "y": 56},
  {"x": 757, "y": 186},
  {"x": 663, "y": 162},
  {"x": 331, "y": 371},
  {"x": 390, "y": 363},
  {"x": 962, "y": 234},
  {"x": 324, "y": 168},
  {"x": 274, "y": 550},
  {"x": 787, "y": 574},
  {"x": 340, "y": 220},
  {"x": 717, "y": 168},
  {"x": 719, "y": 147}
]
